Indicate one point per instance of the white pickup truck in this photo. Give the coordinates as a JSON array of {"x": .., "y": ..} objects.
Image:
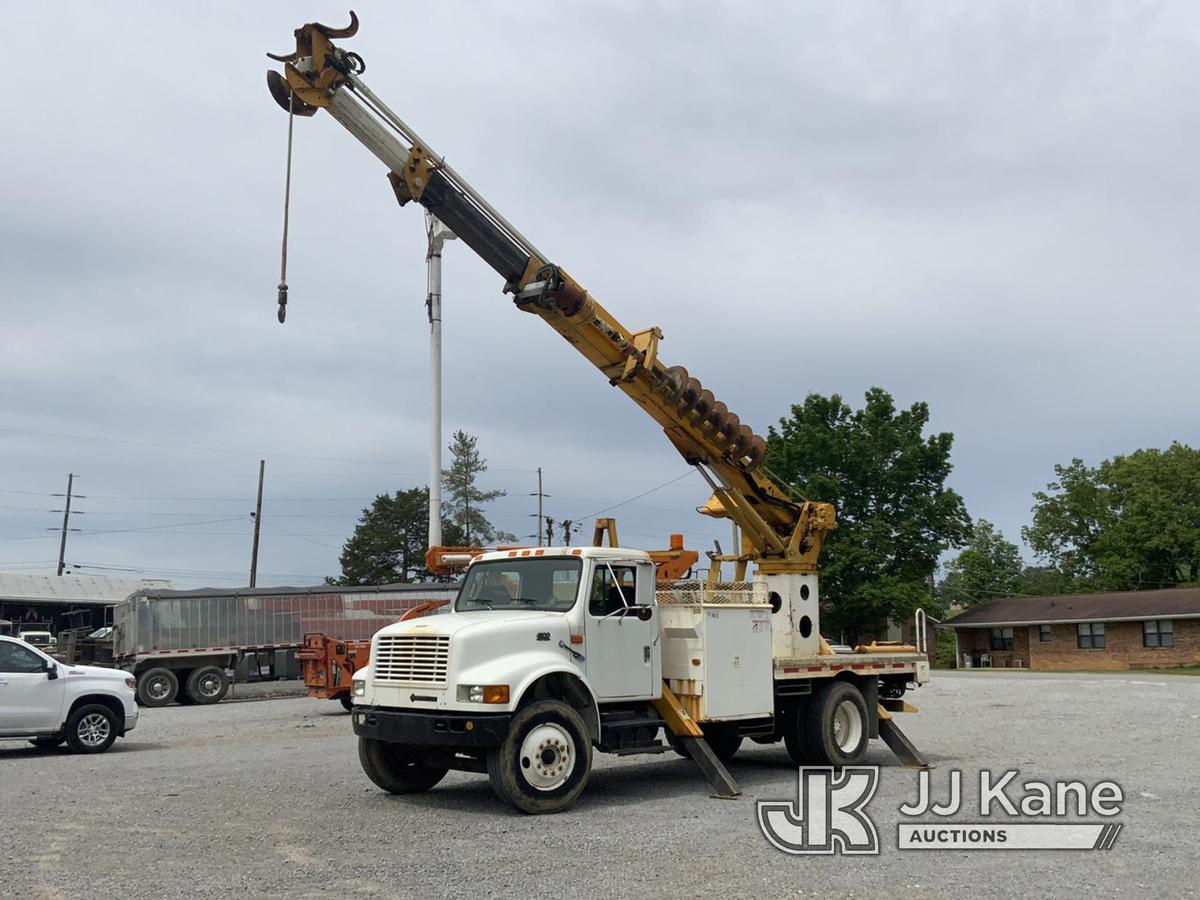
[{"x": 47, "y": 702}]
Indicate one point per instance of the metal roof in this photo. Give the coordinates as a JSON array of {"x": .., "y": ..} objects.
[
  {"x": 77, "y": 590},
  {"x": 1175, "y": 603},
  {"x": 434, "y": 590}
]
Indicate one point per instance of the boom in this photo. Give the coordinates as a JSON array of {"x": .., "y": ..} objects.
[{"x": 781, "y": 534}]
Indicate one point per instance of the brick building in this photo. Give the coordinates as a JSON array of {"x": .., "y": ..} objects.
[{"x": 1127, "y": 630}]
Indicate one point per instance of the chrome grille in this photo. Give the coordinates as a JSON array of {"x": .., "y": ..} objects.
[{"x": 411, "y": 659}]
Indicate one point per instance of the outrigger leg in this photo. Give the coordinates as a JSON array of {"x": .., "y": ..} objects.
[
  {"x": 691, "y": 738},
  {"x": 896, "y": 739}
]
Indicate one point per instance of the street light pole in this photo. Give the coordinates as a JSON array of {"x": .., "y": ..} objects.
[{"x": 438, "y": 234}]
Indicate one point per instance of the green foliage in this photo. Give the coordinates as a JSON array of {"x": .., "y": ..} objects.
[
  {"x": 464, "y": 501},
  {"x": 988, "y": 567},
  {"x": 390, "y": 540},
  {"x": 943, "y": 651},
  {"x": 895, "y": 514},
  {"x": 1131, "y": 523}
]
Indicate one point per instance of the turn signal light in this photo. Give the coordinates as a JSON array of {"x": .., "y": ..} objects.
[{"x": 495, "y": 693}]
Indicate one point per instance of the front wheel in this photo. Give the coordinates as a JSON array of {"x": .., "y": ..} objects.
[
  {"x": 545, "y": 760},
  {"x": 91, "y": 729},
  {"x": 392, "y": 767}
]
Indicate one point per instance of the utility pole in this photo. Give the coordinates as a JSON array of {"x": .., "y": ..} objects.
[
  {"x": 566, "y": 527},
  {"x": 549, "y": 533},
  {"x": 62, "y": 543},
  {"x": 438, "y": 234},
  {"x": 540, "y": 518},
  {"x": 262, "y": 468}
]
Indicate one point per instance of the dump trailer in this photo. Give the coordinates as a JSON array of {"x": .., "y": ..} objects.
[{"x": 188, "y": 645}]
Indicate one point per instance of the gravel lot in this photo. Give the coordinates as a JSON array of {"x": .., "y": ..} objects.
[{"x": 266, "y": 799}]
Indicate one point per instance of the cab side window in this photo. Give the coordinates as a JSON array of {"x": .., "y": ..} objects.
[
  {"x": 609, "y": 585},
  {"x": 15, "y": 658}
]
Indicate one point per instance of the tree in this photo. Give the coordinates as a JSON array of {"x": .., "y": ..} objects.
[
  {"x": 988, "y": 567},
  {"x": 464, "y": 501},
  {"x": 390, "y": 540},
  {"x": 1133, "y": 522},
  {"x": 895, "y": 514}
]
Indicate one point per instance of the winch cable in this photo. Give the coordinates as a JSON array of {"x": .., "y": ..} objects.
[{"x": 287, "y": 201}]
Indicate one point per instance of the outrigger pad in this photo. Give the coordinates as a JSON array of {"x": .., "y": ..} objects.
[
  {"x": 714, "y": 770},
  {"x": 904, "y": 749}
]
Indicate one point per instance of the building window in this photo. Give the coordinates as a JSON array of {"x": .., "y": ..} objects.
[
  {"x": 1091, "y": 635},
  {"x": 1158, "y": 633},
  {"x": 1046, "y": 633},
  {"x": 1001, "y": 639}
]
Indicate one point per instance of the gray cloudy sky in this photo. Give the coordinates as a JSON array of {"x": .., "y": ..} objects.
[{"x": 991, "y": 207}]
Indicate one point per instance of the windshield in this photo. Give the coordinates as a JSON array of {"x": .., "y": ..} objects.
[{"x": 548, "y": 583}]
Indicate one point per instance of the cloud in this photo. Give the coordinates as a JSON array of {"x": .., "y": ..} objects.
[{"x": 988, "y": 208}]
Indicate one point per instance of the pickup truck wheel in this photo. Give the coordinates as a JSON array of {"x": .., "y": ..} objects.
[
  {"x": 157, "y": 687},
  {"x": 835, "y": 726},
  {"x": 347, "y": 701},
  {"x": 392, "y": 768},
  {"x": 545, "y": 760},
  {"x": 47, "y": 743},
  {"x": 91, "y": 729},
  {"x": 207, "y": 684}
]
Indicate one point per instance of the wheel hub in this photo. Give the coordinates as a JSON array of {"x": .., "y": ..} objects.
[
  {"x": 847, "y": 726},
  {"x": 93, "y": 730},
  {"x": 547, "y": 757}
]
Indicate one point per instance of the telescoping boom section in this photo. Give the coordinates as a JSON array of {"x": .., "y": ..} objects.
[{"x": 781, "y": 534}]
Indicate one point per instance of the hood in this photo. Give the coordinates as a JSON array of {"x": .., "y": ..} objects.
[
  {"x": 92, "y": 672},
  {"x": 493, "y": 621}
]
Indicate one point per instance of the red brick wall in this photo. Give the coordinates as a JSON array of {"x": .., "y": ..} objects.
[{"x": 1123, "y": 648}]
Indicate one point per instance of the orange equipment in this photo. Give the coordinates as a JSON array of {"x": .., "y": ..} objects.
[{"x": 330, "y": 664}]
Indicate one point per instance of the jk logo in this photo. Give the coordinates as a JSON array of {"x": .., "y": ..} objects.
[{"x": 828, "y": 816}]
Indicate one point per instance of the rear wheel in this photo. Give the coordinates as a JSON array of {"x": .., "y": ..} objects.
[
  {"x": 157, "y": 687},
  {"x": 545, "y": 760},
  {"x": 347, "y": 701},
  {"x": 207, "y": 684},
  {"x": 91, "y": 729},
  {"x": 836, "y": 726},
  {"x": 392, "y": 767}
]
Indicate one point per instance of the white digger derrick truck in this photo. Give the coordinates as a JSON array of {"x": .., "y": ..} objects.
[{"x": 550, "y": 653}]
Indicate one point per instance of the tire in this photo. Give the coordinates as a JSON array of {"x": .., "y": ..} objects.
[
  {"x": 545, "y": 760},
  {"x": 392, "y": 769},
  {"x": 182, "y": 697},
  {"x": 47, "y": 743},
  {"x": 207, "y": 684},
  {"x": 157, "y": 687},
  {"x": 91, "y": 729},
  {"x": 347, "y": 701},
  {"x": 793, "y": 736},
  {"x": 836, "y": 727}
]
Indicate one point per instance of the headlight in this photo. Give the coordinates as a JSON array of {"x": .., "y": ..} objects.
[
  {"x": 358, "y": 687},
  {"x": 483, "y": 693},
  {"x": 131, "y": 683}
]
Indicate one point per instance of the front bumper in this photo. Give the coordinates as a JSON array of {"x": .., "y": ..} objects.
[{"x": 430, "y": 729}]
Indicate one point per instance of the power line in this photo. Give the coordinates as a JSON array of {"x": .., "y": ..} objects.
[{"x": 639, "y": 496}]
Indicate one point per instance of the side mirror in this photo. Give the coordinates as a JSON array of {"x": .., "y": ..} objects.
[{"x": 51, "y": 671}]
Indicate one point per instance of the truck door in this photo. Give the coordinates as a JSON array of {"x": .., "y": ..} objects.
[
  {"x": 29, "y": 699},
  {"x": 622, "y": 631}
]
